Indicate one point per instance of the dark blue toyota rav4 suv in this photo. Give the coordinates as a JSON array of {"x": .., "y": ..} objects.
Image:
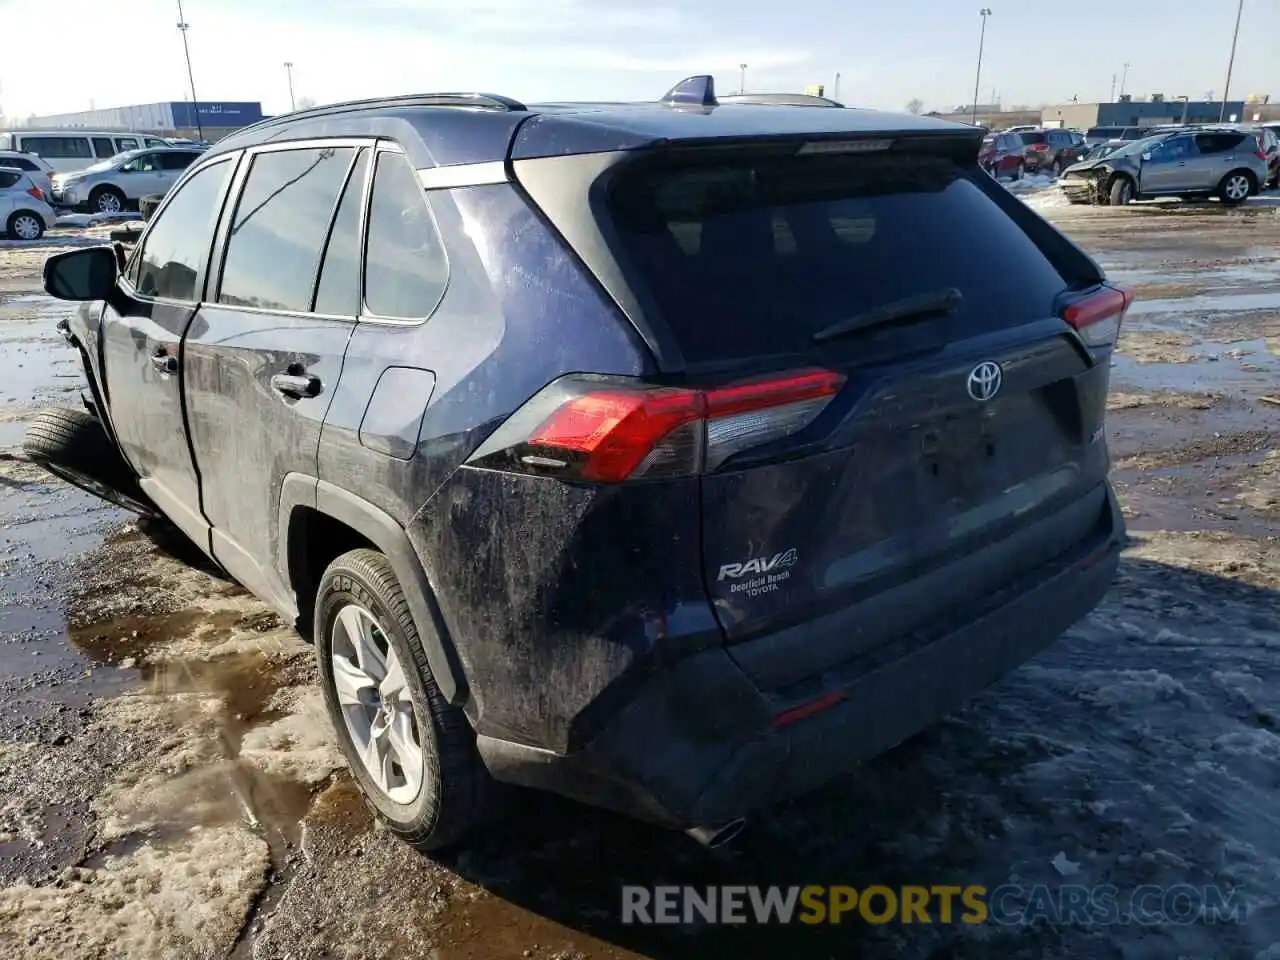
[{"x": 671, "y": 456}]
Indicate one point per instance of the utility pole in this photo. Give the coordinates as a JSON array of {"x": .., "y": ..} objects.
[
  {"x": 288, "y": 71},
  {"x": 1113, "y": 89},
  {"x": 183, "y": 27},
  {"x": 742, "y": 85},
  {"x": 1124, "y": 79},
  {"x": 835, "y": 89},
  {"x": 982, "y": 36},
  {"x": 1231, "y": 62}
]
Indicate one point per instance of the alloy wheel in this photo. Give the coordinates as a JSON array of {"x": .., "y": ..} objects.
[
  {"x": 1237, "y": 187},
  {"x": 109, "y": 203},
  {"x": 374, "y": 696}
]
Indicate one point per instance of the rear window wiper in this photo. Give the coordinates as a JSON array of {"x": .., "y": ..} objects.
[{"x": 940, "y": 302}]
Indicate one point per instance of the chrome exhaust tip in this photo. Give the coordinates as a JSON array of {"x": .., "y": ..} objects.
[{"x": 717, "y": 835}]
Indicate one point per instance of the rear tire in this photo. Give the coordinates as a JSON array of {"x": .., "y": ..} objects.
[
  {"x": 25, "y": 225},
  {"x": 73, "y": 445},
  {"x": 361, "y": 602},
  {"x": 1019, "y": 170},
  {"x": 1236, "y": 187},
  {"x": 1121, "y": 191}
]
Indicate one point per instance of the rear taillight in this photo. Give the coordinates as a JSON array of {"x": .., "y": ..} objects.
[
  {"x": 1097, "y": 317},
  {"x": 1261, "y": 155},
  {"x": 580, "y": 429},
  {"x": 37, "y": 193},
  {"x": 1039, "y": 146}
]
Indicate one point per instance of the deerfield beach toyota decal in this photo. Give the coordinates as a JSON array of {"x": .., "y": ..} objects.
[{"x": 759, "y": 574}]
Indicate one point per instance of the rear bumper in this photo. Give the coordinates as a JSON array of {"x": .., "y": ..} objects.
[{"x": 701, "y": 743}]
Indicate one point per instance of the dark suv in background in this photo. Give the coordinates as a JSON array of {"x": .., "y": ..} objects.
[
  {"x": 673, "y": 456},
  {"x": 1051, "y": 151}
]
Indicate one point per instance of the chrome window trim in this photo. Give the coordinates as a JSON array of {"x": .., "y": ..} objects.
[{"x": 464, "y": 175}]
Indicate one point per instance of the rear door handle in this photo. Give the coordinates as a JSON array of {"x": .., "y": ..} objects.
[
  {"x": 164, "y": 364},
  {"x": 296, "y": 385}
]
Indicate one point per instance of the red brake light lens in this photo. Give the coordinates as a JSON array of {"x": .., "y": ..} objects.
[
  {"x": 36, "y": 192},
  {"x": 1097, "y": 317},
  {"x": 609, "y": 434}
]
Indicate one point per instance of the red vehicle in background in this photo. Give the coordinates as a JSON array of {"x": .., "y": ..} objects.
[{"x": 1003, "y": 155}]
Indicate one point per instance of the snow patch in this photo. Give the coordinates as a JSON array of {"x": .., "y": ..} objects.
[
  {"x": 188, "y": 901},
  {"x": 93, "y": 219},
  {"x": 300, "y": 746}
]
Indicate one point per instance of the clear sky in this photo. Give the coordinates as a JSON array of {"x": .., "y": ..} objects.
[{"x": 114, "y": 52}]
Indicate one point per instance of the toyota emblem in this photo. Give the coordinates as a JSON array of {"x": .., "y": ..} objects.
[{"x": 984, "y": 380}]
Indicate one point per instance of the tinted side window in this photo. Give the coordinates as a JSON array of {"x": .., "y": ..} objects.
[
  {"x": 22, "y": 163},
  {"x": 176, "y": 161},
  {"x": 1218, "y": 142},
  {"x": 59, "y": 148},
  {"x": 9, "y": 179},
  {"x": 282, "y": 217},
  {"x": 338, "y": 293},
  {"x": 405, "y": 266},
  {"x": 103, "y": 147},
  {"x": 177, "y": 244}
]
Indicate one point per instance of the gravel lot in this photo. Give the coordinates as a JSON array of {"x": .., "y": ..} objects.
[{"x": 169, "y": 787}]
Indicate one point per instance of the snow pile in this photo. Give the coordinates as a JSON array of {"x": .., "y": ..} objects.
[
  {"x": 189, "y": 900},
  {"x": 1031, "y": 183},
  {"x": 93, "y": 219}
]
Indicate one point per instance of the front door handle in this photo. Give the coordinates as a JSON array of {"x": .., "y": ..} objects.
[
  {"x": 164, "y": 364},
  {"x": 296, "y": 386}
]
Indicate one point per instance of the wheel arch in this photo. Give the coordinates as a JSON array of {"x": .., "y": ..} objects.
[{"x": 319, "y": 522}]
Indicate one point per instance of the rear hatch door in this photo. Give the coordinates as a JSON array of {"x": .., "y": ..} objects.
[{"x": 952, "y": 428}]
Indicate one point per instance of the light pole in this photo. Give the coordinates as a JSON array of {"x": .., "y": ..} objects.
[
  {"x": 183, "y": 26},
  {"x": 1124, "y": 79},
  {"x": 742, "y": 84},
  {"x": 1231, "y": 62},
  {"x": 984, "y": 13},
  {"x": 288, "y": 72},
  {"x": 1113, "y": 89}
]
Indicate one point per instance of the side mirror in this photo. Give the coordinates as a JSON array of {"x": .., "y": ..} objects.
[{"x": 86, "y": 274}]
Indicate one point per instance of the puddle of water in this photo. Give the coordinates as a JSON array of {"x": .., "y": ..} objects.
[
  {"x": 1251, "y": 273},
  {"x": 1246, "y": 368},
  {"x": 1209, "y": 303}
]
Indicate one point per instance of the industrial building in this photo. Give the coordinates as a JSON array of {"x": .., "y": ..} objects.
[
  {"x": 204, "y": 119},
  {"x": 1154, "y": 111}
]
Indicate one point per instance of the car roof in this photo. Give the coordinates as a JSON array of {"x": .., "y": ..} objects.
[{"x": 472, "y": 127}]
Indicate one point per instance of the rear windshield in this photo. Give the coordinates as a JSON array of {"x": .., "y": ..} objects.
[
  {"x": 1033, "y": 137},
  {"x": 751, "y": 257}
]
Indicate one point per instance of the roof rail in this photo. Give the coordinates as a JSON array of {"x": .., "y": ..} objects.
[
  {"x": 488, "y": 101},
  {"x": 781, "y": 100}
]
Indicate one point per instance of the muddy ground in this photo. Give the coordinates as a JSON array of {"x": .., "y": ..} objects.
[{"x": 169, "y": 786}]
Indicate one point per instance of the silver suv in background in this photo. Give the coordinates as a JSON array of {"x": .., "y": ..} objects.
[
  {"x": 114, "y": 185},
  {"x": 1207, "y": 161}
]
